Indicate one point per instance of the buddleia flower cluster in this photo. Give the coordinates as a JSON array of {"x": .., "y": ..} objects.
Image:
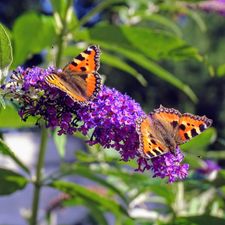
[{"x": 111, "y": 117}]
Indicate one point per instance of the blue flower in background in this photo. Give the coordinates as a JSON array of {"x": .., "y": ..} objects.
[
  {"x": 46, "y": 6},
  {"x": 83, "y": 7}
]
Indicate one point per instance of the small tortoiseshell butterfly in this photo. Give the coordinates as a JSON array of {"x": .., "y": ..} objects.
[
  {"x": 79, "y": 79},
  {"x": 166, "y": 128}
]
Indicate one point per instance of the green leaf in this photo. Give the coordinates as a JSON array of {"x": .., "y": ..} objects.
[
  {"x": 165, "y": 191},
  {"x": 97, "y": 214},
  {"x": 31, "y": 34},
  {"x": 200, "y": 143},
  {"x": 155, "y": 69},
  {"x": 15, "y": 121},
  {"x": 119, "y": 44},
  {"x": 6, "y": 57},
  {"x": 155, "y": 44},
  {"x": 81, "y": 170},
  {"x": 76, "y": 190},
  {"x": 59, "y": 6},
  {"x": 220, "y": 154},
  {"x": 198, "y": 220},
  {"x": 162, "y": 20},
  {"x": 5, "y": 150},
  {"x": 60, "y": 143},
  {"x": 11, "y": 182},
  {"x": 119, "y": 64},
  {"x": 221, "y": 70},
  {"x": 2, "y": 101}
]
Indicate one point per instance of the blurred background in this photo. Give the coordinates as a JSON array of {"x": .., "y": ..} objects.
[{"x": 158, "y": 52}]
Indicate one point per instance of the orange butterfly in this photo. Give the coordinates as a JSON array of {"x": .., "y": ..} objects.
[
  {"x": 79, "y": 78},
  {"x": 166, "y": 128}
]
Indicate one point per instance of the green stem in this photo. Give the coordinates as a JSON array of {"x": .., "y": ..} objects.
[
  {"x": 60, "y": 41},
  {"x": 38, "y": 178}
]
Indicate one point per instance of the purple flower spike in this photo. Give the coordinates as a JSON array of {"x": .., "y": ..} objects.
[
  {"x": 169, "y": 165},
  {"x": 110, "y": 119},
  {"x": 112, "y": 116}
]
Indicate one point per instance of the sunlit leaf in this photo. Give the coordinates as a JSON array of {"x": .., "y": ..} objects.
[
  {"x": 6, "y": 57},
  {"x": 221, "y": 70},
  {"x": 15, "y": 121},
  {"x": 31, "y": 34},
  {"x": 11, "y": 182}
]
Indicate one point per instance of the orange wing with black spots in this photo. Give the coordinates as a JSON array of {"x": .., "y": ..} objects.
[
  {"x": 166, "y": 128},
  {"x": 86, "y": 62},
  {"x": 191, "y": 125},
  {"x": 150, "y": 146},
  {"x": 79, "y": 79}
]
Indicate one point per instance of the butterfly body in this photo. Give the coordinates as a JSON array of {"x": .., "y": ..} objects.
[
  {"x": 166, "y": 128},
  {"x": 79, "y": 79}
]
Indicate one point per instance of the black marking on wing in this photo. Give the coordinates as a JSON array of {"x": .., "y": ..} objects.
[
  {"x": 80, "y": 57},
  {"x": 182, "y": 127},
  {"x": 193, "y": 132}
]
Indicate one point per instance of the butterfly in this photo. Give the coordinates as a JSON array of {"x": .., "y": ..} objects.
[
  {"x": 79, "y": 79},
  {"x": 166, "y": 128}
]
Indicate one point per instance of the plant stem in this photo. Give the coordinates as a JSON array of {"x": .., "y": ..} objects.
[
  {"x": 38, "y": 183},
  {"x": 38, "y": 178},
  {"x": 60, "y": 41}
]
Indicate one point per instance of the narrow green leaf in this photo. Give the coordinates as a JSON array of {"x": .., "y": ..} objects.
[
  {"x": 97, "y": 214},
  {"x": 198, "y": 220},
  {"x": 155, "y": 44},
  {"x": 5, "y": 50},
  {"x": 162, "y": 20},
  {"x": 60, "y": 143},
  {"x": 155, "y": 69},
  {"x": 119, "y": 64},
  {"x": 216, "y": 154},
  {"x": 5, "y": 150},
  {"x": 76, "y": 190},
  {"x": 11, "y": 182},
  {"x": 81, "y": 170}
]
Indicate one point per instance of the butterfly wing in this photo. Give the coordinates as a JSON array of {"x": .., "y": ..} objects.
[
  {"x": 86, "y": 62},
  {"x": 149, "y": 145},
  {"x": 81, "y": 88},
  {"x": 79, "y": 78},
  {"x": 191, "y": 125},
  {"x": 167, "y": 117}
]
